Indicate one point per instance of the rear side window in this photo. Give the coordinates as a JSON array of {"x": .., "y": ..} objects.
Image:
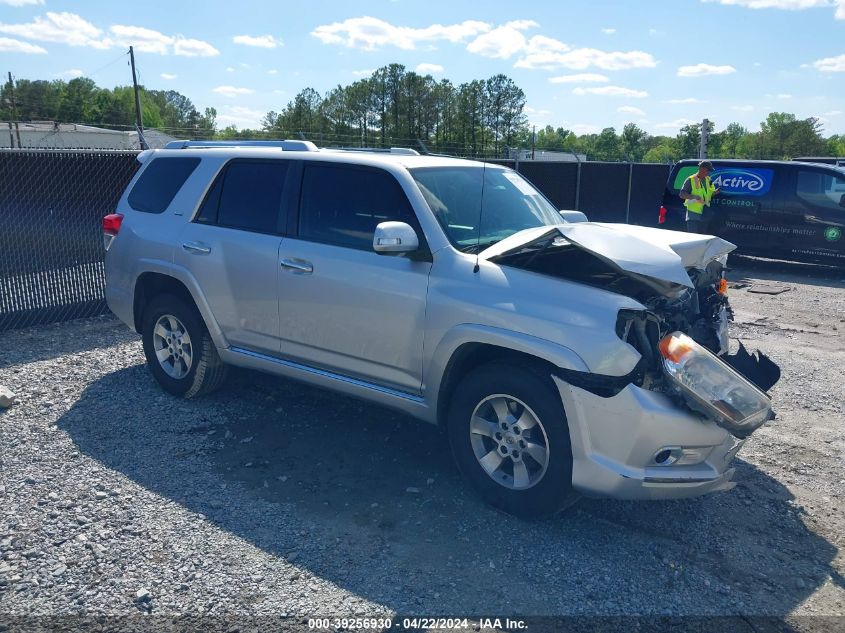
[
  {"x": 160, "y": 182},
  {"x": 343, "y": 205},
  {"x": 821, "y": 189},
  {"x": 247, "y": 196}
]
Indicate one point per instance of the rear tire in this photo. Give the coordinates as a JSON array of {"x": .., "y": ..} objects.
[
  {"x": 179, "y": 350},
  {"x": 510, "y": 439}
]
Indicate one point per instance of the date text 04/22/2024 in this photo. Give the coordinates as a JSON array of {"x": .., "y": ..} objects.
[{"x": 415, "y": 623}]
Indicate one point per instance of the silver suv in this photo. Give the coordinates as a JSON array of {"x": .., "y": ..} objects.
[{"x": 562, "y": 357}]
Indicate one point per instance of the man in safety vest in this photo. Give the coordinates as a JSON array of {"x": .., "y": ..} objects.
[{"x": 696, "y": 194}]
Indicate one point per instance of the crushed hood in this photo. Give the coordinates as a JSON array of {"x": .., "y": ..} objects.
[{"x": 655, "y": 256}]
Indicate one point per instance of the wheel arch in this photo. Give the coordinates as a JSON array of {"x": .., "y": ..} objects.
[
  {"x": 470, "y": 346},
  {"x": 155, "y": 281}
]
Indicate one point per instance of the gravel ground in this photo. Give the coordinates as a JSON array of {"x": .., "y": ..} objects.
[{"x": 273, "y": 498}]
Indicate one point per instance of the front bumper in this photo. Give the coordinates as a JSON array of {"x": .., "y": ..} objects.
[{"x": 614, "y": 442}]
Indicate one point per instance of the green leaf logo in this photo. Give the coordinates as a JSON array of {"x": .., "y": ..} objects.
[{"x": 832, "y": 233}]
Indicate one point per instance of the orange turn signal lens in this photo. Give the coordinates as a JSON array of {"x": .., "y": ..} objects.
[
  {"x": 673, "y": 347},
  {"x": 723, "y": 286}
]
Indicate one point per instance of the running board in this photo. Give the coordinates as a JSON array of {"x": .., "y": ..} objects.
[{"x": 406, "y": 402}]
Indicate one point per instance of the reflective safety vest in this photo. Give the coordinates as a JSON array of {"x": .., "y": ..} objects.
[{"x": 702, "y": 189}]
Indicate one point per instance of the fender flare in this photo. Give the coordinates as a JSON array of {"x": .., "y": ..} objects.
[
  {"x": 471, "y": 333},
  {"x": 183, "y": 275}
]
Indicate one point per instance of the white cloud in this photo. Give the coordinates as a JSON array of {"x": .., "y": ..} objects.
[
  {"x": 71, "y": 73},
  {"x": 611, "y": 91},
  {"x": 548, "y": 53},
  {"x": 187, "y": 47},
  {"x": 699, "y": 70},
  {"x": 677, "y": 124},
  {"x": 364, "y": 72},
  {"x": 783, "y": 96},
  {"x": 542, "y": 52},
  {"x": 258, "y": 41},
  {"x": 630, "y": 110},
  {"x": 21, "y": 3},
  {"x": 830, "y": 64},
  {"x": 833, "y": 113},
  {"x": 371, "y": 33},
  {"x": 240, "y": 117},
  {"x": 788, "y": 5},
  {"x": 743, "y": 108},
  {"x": 232, "y": 91},
  {"x": 73, "y": 30},
  {"x": 9, "y": 45},
  {"x": 584, "y": 128},
  {"x": 533, "y": 111},
  {"x": 62, "y": 28},
  {"x": 502, "y": 42},
  {"x": 685, "y": 100},
  {"x": 144, "y": 40},
  {"x": 272, "y": 71},
  {"x": 230, "y": 69},
  {"x": 168, "y": 76},
  {"x": 608, "y": 31},
  {"x": 580, "y": 78},
  {"x": 429, "y": 69}
]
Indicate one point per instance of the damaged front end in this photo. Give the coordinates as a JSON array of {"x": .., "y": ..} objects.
[
  {"x": 679, "y": 279},
  {"x": 684, "y": 348}
]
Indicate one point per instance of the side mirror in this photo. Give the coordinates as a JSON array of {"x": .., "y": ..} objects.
[
  {"x": 842, "y": 201},
  {"x": 395, "y": 237},
  {"x": 573, "y": 216}
]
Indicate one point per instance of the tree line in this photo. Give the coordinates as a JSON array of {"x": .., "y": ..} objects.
[
  {"x": 781, "y": 136},
  {"x": 395, "y": 106},
  {"x": 80, "y": 100}
]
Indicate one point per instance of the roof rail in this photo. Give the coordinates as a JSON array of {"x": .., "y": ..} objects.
[
  {"x": 405, "y": 151},
  {"x": 288, "y": 146}
]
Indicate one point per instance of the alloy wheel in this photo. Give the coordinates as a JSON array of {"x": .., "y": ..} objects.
[
  {"x": 172, "y": 345},
  {"x": 509, "y": 442}
]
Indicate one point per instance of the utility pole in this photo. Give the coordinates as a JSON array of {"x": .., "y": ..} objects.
[
  {"x": 14, "y": 110},
  {"x": 533, "y": 140},
  {"x": 705, "y": 132},
  {"x": 11, "y": 134},
  {"x": 139, "y": 124}
]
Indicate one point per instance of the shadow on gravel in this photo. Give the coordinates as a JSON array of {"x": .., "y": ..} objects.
[
  {"x": 745, "y": 268},
  {"x": 369, "y": 500},
  {"x": 52, "y": 341}
]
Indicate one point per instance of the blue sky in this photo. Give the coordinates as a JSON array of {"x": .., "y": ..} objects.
[{"x": 583, "y": 65}]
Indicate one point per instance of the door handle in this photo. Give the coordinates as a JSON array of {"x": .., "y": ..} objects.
[
  {"x": 197, "y": 248},
  {"x": 298, "y": 266}
]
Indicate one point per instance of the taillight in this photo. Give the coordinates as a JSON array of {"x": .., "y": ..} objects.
[
  {"x": 111, "y": 227},
  {"x": 661, "y": 217}
]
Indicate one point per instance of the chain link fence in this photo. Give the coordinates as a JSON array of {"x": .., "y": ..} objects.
[
  {"x": 51, "y": 249},
  {"x": 52, "y": 203}
]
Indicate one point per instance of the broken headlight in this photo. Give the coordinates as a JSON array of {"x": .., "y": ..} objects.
[{"x": 712, "y": 387}]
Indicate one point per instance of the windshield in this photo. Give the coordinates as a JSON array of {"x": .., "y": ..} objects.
[{"x": 510, "y": 204}]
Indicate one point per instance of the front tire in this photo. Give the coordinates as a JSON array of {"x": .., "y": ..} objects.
[
  {"x": 179, "y": 350},
  {"x": 510, "y": 439}
]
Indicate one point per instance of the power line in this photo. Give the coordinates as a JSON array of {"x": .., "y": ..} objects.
[{"x": 113, "y": 61}]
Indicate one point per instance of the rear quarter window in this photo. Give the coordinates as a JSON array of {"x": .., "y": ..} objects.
[{"x": 160, "y": 182}]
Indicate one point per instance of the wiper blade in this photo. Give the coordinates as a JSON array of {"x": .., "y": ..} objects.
[{"x": 477, "y": 247}]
